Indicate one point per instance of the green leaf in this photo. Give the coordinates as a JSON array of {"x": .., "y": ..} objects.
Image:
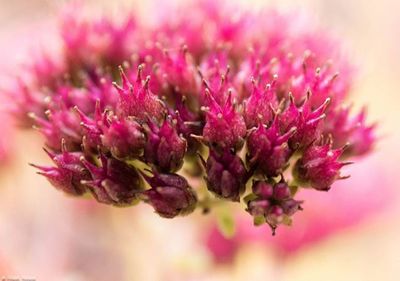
[
  {"x": 293, "y": 189},
  {"x": 259, "y": 220},
  {"x": 287, "y": 220},
  {"x": 226, "y": 224},
  {"x": 249, "y": 197}
]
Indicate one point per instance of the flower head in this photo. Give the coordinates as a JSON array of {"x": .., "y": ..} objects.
[{"x": 125, "y": 95}]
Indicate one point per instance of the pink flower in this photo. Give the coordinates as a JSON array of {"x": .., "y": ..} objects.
[{"x": 138, "y": 95}]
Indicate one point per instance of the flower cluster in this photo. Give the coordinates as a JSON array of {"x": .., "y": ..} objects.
[
  {"x": 126, "y": 104},
  {"x": 272, "y": 203}
]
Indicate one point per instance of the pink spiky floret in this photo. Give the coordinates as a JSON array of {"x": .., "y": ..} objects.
[
  {"x": 164, "y": 148},
  {"x": 225, "y": 126},
  {"x": 319, "y": 166},
  {"x": 68, "y": 173},
  {"x": 268, "y": 149},
  {"x": 137, "y": 99}
]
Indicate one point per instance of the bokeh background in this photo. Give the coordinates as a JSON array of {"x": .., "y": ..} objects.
[{"x": 47, "y": 236}]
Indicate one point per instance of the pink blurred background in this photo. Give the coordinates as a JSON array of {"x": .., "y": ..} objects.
[{"x": 47, "y": 236}]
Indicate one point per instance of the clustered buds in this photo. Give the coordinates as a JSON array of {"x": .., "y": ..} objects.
[
  {"x": 272, "y": 203},
  {"x": 133, "y": 111}
]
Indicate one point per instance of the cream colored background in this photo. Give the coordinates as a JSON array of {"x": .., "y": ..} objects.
[{"x": 46, "y": 236}]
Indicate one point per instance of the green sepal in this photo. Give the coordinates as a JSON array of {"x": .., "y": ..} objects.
[{"x": 226, "y": 224}]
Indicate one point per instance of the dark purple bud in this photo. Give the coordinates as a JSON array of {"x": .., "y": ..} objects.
[
  {"x": 124, "y": 138},
  {"x": 319, "y": 167},
  {"x": 263, "y": 189},
  {"x": 170, "y": 195},
  {"x": 68, "y": 173},
  {"x": 281, "y": 191},
  {"x": 226, "y": 174},
  {"x": 115, "y": 182},
  {"x": 268, "y": 150},
  {"x": 164, "y": 149}
]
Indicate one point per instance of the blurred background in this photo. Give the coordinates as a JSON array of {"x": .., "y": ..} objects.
[{"x": 351, "y": 234}]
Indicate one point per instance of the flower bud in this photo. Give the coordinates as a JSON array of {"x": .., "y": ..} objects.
[
  {"x": 363, "y": 137},
  {"x": 137, "y": 100},
  {"x": 346, "y": 129},
  {"x": 225, "y": 127},
  {"x": 115, "y": 182},
  {"x": 58, "y": 125},
  {"x": 188, "y": 124},
  {"x": 268, "y": 150},
  {"x": 176, "y": 71},
  {"x": 306, "y": 121},
  {"x": 319, "y": 167},
  {"x": 170, "y": 195},
  {"x": 164, "y": 149},
  {"x": 258, "y": 107},
  {"x": 93, "y": 126},
  {"x": 226, "y": 174},
  {"x": 216, "y": 80},
  {"x": 124, "y": 138},
  {"x": 68, "y": 173}
]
